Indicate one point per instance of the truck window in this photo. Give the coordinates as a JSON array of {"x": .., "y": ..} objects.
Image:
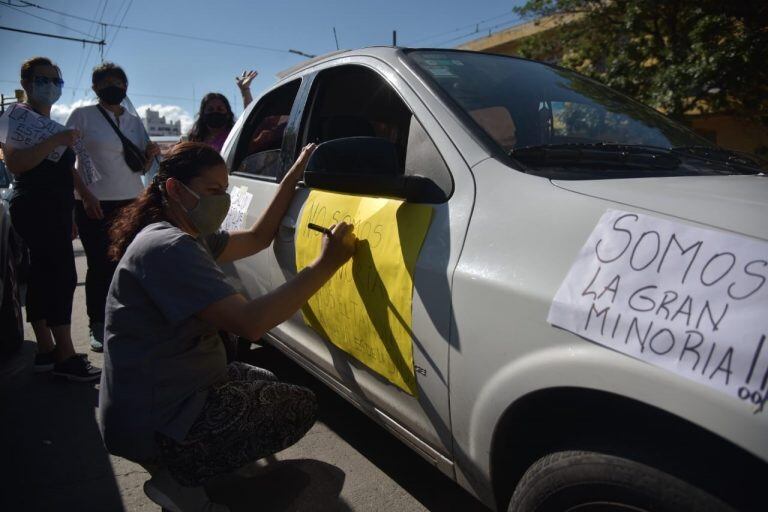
[
  {"x": 259, "y": 151},
  {"x": 356, "y": 101}
]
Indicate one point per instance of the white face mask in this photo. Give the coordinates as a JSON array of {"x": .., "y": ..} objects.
[{"x": 47, "y": 94}]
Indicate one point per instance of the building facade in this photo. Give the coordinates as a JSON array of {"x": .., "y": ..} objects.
[{"x": 156, "y": 125}]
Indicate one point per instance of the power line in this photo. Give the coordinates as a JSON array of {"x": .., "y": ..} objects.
[
  {"x": 164, "y": 33},
  {"x": 84, "y": 58},
  {"x": 55, "y": 36},
  {"x": 16, "y": 8},
  {"x": 112, "y": 43},
  {"x": 476, "y": 25},
  {"x": 30, "y": 4},
  {"x": 204, "y": 39},
  {"x": 490, "y": 30}
]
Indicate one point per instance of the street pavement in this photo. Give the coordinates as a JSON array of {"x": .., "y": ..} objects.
[{"x": 53, "y": 459}]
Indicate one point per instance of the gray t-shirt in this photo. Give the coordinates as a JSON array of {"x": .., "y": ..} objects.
[{"x": 160, "y": 359}]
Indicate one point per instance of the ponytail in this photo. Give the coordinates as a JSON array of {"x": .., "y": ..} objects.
[
  {"x": 184, "y": 162},
  {"x": 145, "y": 210}
]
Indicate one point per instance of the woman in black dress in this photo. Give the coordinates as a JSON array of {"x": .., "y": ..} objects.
[{"x": 41, "y": 212}]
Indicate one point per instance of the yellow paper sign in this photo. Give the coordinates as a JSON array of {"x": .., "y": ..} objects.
[{"x": 365, "y": 308}]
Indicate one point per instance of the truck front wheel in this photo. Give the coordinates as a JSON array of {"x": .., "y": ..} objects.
[{"x": 580, "y": 481}]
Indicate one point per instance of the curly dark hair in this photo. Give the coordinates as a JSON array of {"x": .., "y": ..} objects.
[
  {"x": 199, "y": 131},
  {"x": 106, "y": 69},
  {"x": 185, "y": 161}
]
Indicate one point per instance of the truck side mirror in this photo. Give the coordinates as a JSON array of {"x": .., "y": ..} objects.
[{"x": 365, "y": 166}]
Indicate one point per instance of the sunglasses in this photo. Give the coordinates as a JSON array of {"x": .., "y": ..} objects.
[{"x": 44, "y": 80}]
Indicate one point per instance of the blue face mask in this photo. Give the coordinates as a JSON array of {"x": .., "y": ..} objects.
[{"x": 47, "y": 94}]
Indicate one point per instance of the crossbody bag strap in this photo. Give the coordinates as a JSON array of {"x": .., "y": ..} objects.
[{"x": 123, "y": 138}]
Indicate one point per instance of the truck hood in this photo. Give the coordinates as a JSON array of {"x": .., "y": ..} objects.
[{"x": 733, "y": 203}]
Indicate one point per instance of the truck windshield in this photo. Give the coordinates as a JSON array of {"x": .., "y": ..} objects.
[
  {"x": 533, "y": 111},
  {"x": 521, "y": 103}
]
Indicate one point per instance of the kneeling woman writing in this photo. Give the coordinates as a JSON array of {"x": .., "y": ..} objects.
[{"x": 168, "y": 397}]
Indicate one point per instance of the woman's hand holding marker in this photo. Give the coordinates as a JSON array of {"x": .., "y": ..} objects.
[{"x": 338, "y": 245}]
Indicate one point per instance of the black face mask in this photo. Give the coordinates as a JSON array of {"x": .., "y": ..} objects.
[
  {"x": 111, "y": 95},
  {"x": 215, "y": 119}
]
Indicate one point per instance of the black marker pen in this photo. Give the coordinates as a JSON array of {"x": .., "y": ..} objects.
[{"x": 319, "y": 228}]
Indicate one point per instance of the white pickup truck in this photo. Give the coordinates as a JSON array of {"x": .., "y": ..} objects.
[{"x": 545, "y": 187}]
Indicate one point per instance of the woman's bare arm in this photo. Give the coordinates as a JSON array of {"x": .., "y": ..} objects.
[
  {"x": 91, "y": 204},
  {"x": 20, "y": 160},
  {"x": 242, "y": 244},
  {"x": 244, "y": 84},
  {"x": 251, "y": 319}
]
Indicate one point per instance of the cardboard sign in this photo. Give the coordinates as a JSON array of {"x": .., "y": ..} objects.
[
  {"x": 366, "y": 307},
  {"x": 692, "y": 301}
]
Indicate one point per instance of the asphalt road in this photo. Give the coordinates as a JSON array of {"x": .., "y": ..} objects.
[{"x": 53, "y": 458}]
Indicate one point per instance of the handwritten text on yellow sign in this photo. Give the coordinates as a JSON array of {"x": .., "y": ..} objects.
[{"x": 365, "y": 309}]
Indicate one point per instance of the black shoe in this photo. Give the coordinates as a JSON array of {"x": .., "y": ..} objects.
[
  {"x": 78, "y": 369},
  {"x": 44, "y": 362}
]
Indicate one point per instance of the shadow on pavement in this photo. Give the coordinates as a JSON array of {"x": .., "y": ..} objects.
[
  {"x": 285, "y": 486},
  {"x": 416, "y": 476},
  {"x": 52, "y": 454}
]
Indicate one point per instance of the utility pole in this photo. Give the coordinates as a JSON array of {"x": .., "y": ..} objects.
[
  {"x": 394, "y": 38},
  {"x": 7, "y": 101},
  {"x": 103, "y": 38}
]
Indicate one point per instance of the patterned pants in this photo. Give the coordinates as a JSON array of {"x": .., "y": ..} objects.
[{"x": 249, "y": 417}]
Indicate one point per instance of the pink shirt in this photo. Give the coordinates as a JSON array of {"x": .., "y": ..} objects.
[{"x": 218, "y": 141}]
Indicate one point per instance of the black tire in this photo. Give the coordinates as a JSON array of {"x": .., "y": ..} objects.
[{"x": 578, "y": 481}]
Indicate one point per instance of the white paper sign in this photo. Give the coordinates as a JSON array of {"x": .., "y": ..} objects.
[
  {"x": 689, "y": 300},
  {"x": 21, "y": 127},
  {"x": 241, "y": 200},
  {"x": 85, "y": 166}
]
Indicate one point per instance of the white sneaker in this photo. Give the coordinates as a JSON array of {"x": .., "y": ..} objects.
[{"x": 165, "y": 491}]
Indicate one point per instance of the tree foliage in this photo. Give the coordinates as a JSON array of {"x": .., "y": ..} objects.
[{"x": 680, "y": 56}]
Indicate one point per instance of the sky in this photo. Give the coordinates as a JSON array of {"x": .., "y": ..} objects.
[{"x": 171, "y": 74}]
